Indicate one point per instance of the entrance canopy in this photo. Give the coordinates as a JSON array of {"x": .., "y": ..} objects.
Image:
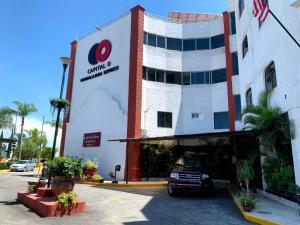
[
  {"x": 191, "y": 139},
  {"x": 8, "y": 140}
]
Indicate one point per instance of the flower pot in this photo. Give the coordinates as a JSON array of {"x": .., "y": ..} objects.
[
  {"x": 62, "y": 184},
  {"x": 247, "y": 208},
  {"x": 89, "y": 171},
  {"x": 100, "y": 181}
]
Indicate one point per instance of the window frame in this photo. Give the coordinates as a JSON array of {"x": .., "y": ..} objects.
[
  {"x": 227, "y": 125},
  {"x": 241, "y": 7},
  {"x": 249, "y": 98},
  {"x": 245, "y": 40},
  {"x": 165, "y": 119},
  {"x": 272, "y": 76}
]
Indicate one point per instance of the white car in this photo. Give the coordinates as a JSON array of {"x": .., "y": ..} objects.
[{"x": 23, "y": 165}]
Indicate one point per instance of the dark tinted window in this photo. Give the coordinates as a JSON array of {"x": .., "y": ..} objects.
[
  {"x": 186, "y": 79},
  {"x": 219, "y": 76},
  {"x": 174, "y": 44},
  {"x": 144, "y": 73},
  {"x": 160, "y": 76},
  {"x": 202, "y": 44},
  {"x": 245, "y": 46},
  {"x": 235, "y": 63},
  {"x": 221, "y": 120},
  {"x": 161, "y": 42},
  {"x": 145, "y": 37},
  {"x": 151, "y": 74},
  {"x": 217, "y": 41},
  {"x": 189, "y": 45},
  {"x": 232, "y": 23},
  {"x": 270, "y": 77},
  {"x": 198, "y": 78},
  {"x": 152, "y": 40},
  {"x": 241, "y": 6},
  {"x": 164, "y": 119},
  {"x": 173, "y": 77},
  {"x": 237, "y": 107},
  {"x": 249, "y": 97}
]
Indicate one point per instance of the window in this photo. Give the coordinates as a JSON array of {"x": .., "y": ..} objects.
[
  {"x": 145, "y": 38},
  {"x": 151, "y": 74},
  {"x": 241, "y": 6},
  {"x": 200, "y": 78},
  {"x": 152, "y": 40},
  {"x": 186, "y": 78},
  {"x": 249, "y": 97},
  {"x": 237, "y": 107},
  {"x": 173, "y": 77},
  {"x": 219, "y": 76},
  {"x": 189, "y": 45},
  {"x": 164, "y": 119},
  {"x": 160, "y": 76},
  {"x": 144, "y": 73},
  {"x": 270, "y": 77},
  {"x": 202, "y": 44},
  {"x": 195, "y": 116},
  {"x": 218, "y": 41},
  {"x": 174, "y": 44},
  {"x": 245, "y": 46},
  {"x": 161, "y": 42},
  {"x": 235, "y": 63},
  {"x": 221, "y": 120},
  {"x": 232, "y": 23}
]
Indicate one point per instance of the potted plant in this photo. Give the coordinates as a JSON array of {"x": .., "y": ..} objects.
[
  {"x": 112, "y": 175},
  {"x": 247, "y": 202},
  {"x": 64, "y": 170},
  {"x": 90, "y": 168},
  {"x": 97, "y": 178},
  {"x": 67, "y": 201}
]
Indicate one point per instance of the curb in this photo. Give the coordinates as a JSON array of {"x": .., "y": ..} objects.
[
  {"x": 123, "y": 185},
  {"x": 4, "y": 171},
  {"x": 249, "y": 216}
]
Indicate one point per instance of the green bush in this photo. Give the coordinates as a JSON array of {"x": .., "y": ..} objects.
[
  {"x": 67, "y": 199},
  {"x": 91, "y": 165},
  {"x": 279, "y": 176},
  {"x": 5, "y": 165},
  {"x": 65, "y": 166},
  {"x": 97, "y": 177},
  {"x": 246, "y": 200}
]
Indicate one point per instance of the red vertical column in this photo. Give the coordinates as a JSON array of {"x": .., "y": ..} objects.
[
  {"x": 229, "y": 69},
  {"x": 133, "y": 168},
  {"x": 68, "y": 95}
]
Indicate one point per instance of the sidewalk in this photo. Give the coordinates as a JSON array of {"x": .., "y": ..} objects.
[{"x": 274, "y": 211}]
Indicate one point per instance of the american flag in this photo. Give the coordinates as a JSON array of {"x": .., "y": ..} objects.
[{"x": 260, "y": 9}]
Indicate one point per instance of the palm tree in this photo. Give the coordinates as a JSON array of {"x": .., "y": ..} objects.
[
  {"x": 23, "y": 110},
  {"x": 269, "y": 121}
]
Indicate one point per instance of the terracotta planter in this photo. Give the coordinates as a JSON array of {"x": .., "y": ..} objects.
[
  {"x": 62, "y": 184},
  {"x": 247, "y": 208},
  {"x": 89, "y": 171}
]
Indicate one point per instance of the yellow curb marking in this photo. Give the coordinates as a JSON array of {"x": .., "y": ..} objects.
[
  {"x": 3, "y": 171},
  {"x": 250, "y": 217},
  {"x": 125, "y": 185}
]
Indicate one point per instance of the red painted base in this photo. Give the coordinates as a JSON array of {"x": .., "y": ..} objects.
[{"x": 47, "y": 206}]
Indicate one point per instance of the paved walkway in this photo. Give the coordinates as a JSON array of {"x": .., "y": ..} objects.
[
  {"x": 276, "y": 212},
  {"x": 123, "y": 206}
]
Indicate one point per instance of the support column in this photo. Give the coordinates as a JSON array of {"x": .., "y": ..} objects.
[
  {"x": 68, "y": 96},
  {"x": 229, "y": 70},
  {"x": 133, "y": 155}
]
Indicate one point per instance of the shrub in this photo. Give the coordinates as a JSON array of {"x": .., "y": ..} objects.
[
  {"x": 91, "y": 165},
  {"x": 246, "y": 201},
  {"x": 67, "y": 199},
  {"x": 5, "y": 165},
  {"x": 65, "y": 166},
  {"x": 97, "y": 177},
  {"x": 32, "y": 187},
  {"x": 279, "y": 176}
]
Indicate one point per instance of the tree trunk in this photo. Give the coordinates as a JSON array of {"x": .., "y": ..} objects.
[{"x": 21, "y": 138}]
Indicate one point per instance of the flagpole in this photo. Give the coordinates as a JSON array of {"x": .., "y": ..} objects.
[{"x": 286, "y": 30}]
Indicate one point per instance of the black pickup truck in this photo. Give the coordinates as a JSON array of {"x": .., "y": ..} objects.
[{"x": 191, "y": 174}]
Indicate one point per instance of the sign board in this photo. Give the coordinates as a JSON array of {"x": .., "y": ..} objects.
[{"x": 92, "y": 139}]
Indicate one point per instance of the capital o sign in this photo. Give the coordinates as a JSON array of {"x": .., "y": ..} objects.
[{"x": 99, "y": 52}]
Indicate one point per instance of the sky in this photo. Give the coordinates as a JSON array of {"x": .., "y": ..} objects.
[{"x": 35, "y": 33}]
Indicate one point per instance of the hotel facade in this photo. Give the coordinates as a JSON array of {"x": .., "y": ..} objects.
[{"x": 146, "y": 76}]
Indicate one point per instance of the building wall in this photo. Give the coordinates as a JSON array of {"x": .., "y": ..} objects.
[
  {"x": 101, "y": 104},
  {"x": 271, "y": 43}
]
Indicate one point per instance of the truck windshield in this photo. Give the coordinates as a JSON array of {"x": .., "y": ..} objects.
[{"x": 194, "y": 163}]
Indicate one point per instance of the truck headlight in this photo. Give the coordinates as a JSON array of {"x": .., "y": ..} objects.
[
  {"x": 205, "y": 176},
  {"x": 174, "y": 175}
]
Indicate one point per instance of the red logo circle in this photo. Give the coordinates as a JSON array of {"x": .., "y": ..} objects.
[{"x": 103, "y": 50}]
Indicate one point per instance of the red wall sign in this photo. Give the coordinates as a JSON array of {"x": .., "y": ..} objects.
[{"x": 92, "y": 139}]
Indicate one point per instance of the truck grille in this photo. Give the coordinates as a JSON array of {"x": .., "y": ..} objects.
[{"x": 189, "y": 176}]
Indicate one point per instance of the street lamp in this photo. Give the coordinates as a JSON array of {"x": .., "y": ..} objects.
[{"x": 65, "y": 62}]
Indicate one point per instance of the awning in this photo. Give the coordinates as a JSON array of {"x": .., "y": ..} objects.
[
  {"x": 202, "y": 136},
  {"x": 8, "y": 140}
]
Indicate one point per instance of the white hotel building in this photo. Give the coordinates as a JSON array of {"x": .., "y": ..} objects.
[{"x": 183, "y": 75}]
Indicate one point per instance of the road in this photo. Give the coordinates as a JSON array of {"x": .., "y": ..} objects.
[{"x": 122, "y": 205}]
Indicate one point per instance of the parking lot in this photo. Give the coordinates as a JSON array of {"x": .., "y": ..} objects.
[{"x": 123, "y": 205}]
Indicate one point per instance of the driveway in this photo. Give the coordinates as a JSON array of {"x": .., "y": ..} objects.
[{"x": 123, "y": 205}]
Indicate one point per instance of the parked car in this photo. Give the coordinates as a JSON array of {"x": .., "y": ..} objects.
[
  {"x": 191, "y": 174},
  {"x": 23, "y": 165}
]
